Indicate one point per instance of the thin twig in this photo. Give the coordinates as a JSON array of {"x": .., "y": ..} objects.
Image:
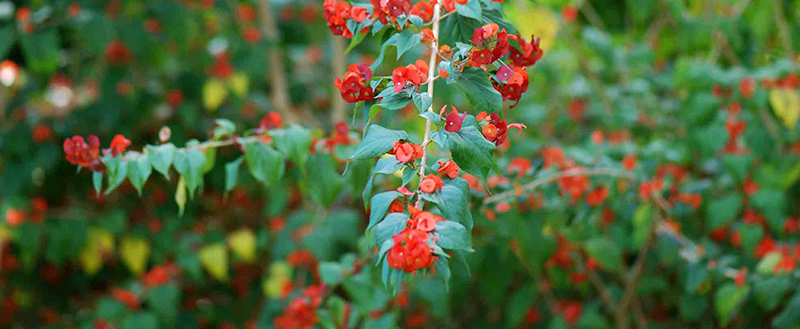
[
  {"x": 440, "y": 18},
  {"x": 431, "y": 65},
  {"x": 552, "y": 178}
]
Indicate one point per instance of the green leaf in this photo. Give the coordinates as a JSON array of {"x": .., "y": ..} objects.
[
  {"x": 224, "y": 128},
  {"x": 140, "y": 320},
  {"x": 117, "y": 171},
  {"x": 331, "y": 273},
  {"x": 470, "y": 150},
  {"x": 392, "y": 100},
  {"x": 455, "y": 202},
  {"x": 693, "y": 306},
  {"x": 789, "y": 318},
  {"x": 472, "y": 9},
  {"x": 190, "y": 163},
  {"x": 431, "y": 116},
  {"x": 164, "y": 300},
  {"x": 232, "y": 174},
  {"x": 97, "y": 180},
  {"x": 139, "y": 170},
  {"x": 385, "y": 166},
  {"x": 407, "y": 40},
  {"x": 7, "y": 39},
  {"x": 738, "y": 165},
  {"x": 393, "y": 223},
  {"x": 264, "y": 162},
  {"x": 323, "y": 182},
  {"x": 727, "y": 300},
  {"x": 443, "y": 269},
  {"x": 41, "y": 50},
  {"x": 161, "y": 157},
  {"x": 767, "y": 264},
  {"x": 422, "y": 101},
  {"x": 294, "y": 142},
  {"x": 392, "y": 41},
  {"x": 772, "y": 203},
  {"x": 452, "y": 235},
  {"x": 723, "y": 210},
  {"x": 479, "y": 90},
  {"x": 357, "y": 36},
  {"x": 377, "y": 142},
  {"x": 606, "y": 252},
  {"x": 457, "y": 28},
  {"x": 770, "y": 291},
  {"x": 380, "y": 205}
]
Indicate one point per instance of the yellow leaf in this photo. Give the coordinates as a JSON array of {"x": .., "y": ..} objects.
[
  {"x": 215, "y": 259},
  {"x": 239, "y": 83},
  {"x": 786, "y": 105},
  {"x": 279, "y": 274},
  {"x": 99, "y": 243},
  {"x": 5, "y": 233},
  {"x": 243, "y": 244},
  {"x": 534, "y": 19},
  {"x": 214, "y": 93},
  {"x": 180, "y": 196},
  {"x": 134, "y": 252}
]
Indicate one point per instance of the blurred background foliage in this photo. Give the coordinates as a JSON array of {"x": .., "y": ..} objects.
[{"x": 652, "y": 79}]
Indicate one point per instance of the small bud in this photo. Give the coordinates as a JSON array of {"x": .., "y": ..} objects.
[{"x": 164, "y": 134}]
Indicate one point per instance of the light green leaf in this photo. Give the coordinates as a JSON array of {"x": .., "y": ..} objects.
[
  {"x": 161, "y": 157},
  {"x": 232, "y": 174},
  {"x": 139, "y": 170},
  {"x": 265, "y": 163}
]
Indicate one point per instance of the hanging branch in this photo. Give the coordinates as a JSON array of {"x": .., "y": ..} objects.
[{"x": 552, "y": 178}]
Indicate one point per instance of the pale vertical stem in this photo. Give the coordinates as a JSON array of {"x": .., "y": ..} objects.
[
  {"x": 338, "y": 59},
  {"x": 280, "y": 91},
  {"x": 431, "y": 70}
]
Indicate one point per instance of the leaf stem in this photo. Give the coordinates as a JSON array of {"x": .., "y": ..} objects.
[{"x": 431, "y": 70}]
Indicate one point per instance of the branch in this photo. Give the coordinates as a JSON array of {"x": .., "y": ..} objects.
[
  {"x": 277, "y": 74},
  {"x": 552, "y": 178},
  {"x": 339, "y": 68},
  {"x": 634, "y": 277},
  {"x": 432, "y": 69},
  {"x": 605, "y": 295},
  {"x": 783, "y": 27}
]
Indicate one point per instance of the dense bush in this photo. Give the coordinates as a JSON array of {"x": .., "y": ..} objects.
[{"x": 258, "y": 164}]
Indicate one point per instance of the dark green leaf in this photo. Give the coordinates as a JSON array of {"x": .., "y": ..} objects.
[
  {"x": 407, "y": 40},
  {"x": 606, "y": 252},
  {"x": 727, "y": 300},
  {"x": 380, "y": 205},
  {"x": 377, "y": 142},
  {"x": 723, "y": 210},
  {"x": 479, "y": 90},
  {"x": 452, "y": 235}
]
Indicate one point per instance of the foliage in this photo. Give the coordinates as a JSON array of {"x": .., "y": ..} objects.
[{"x": 650, "y": 182}]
